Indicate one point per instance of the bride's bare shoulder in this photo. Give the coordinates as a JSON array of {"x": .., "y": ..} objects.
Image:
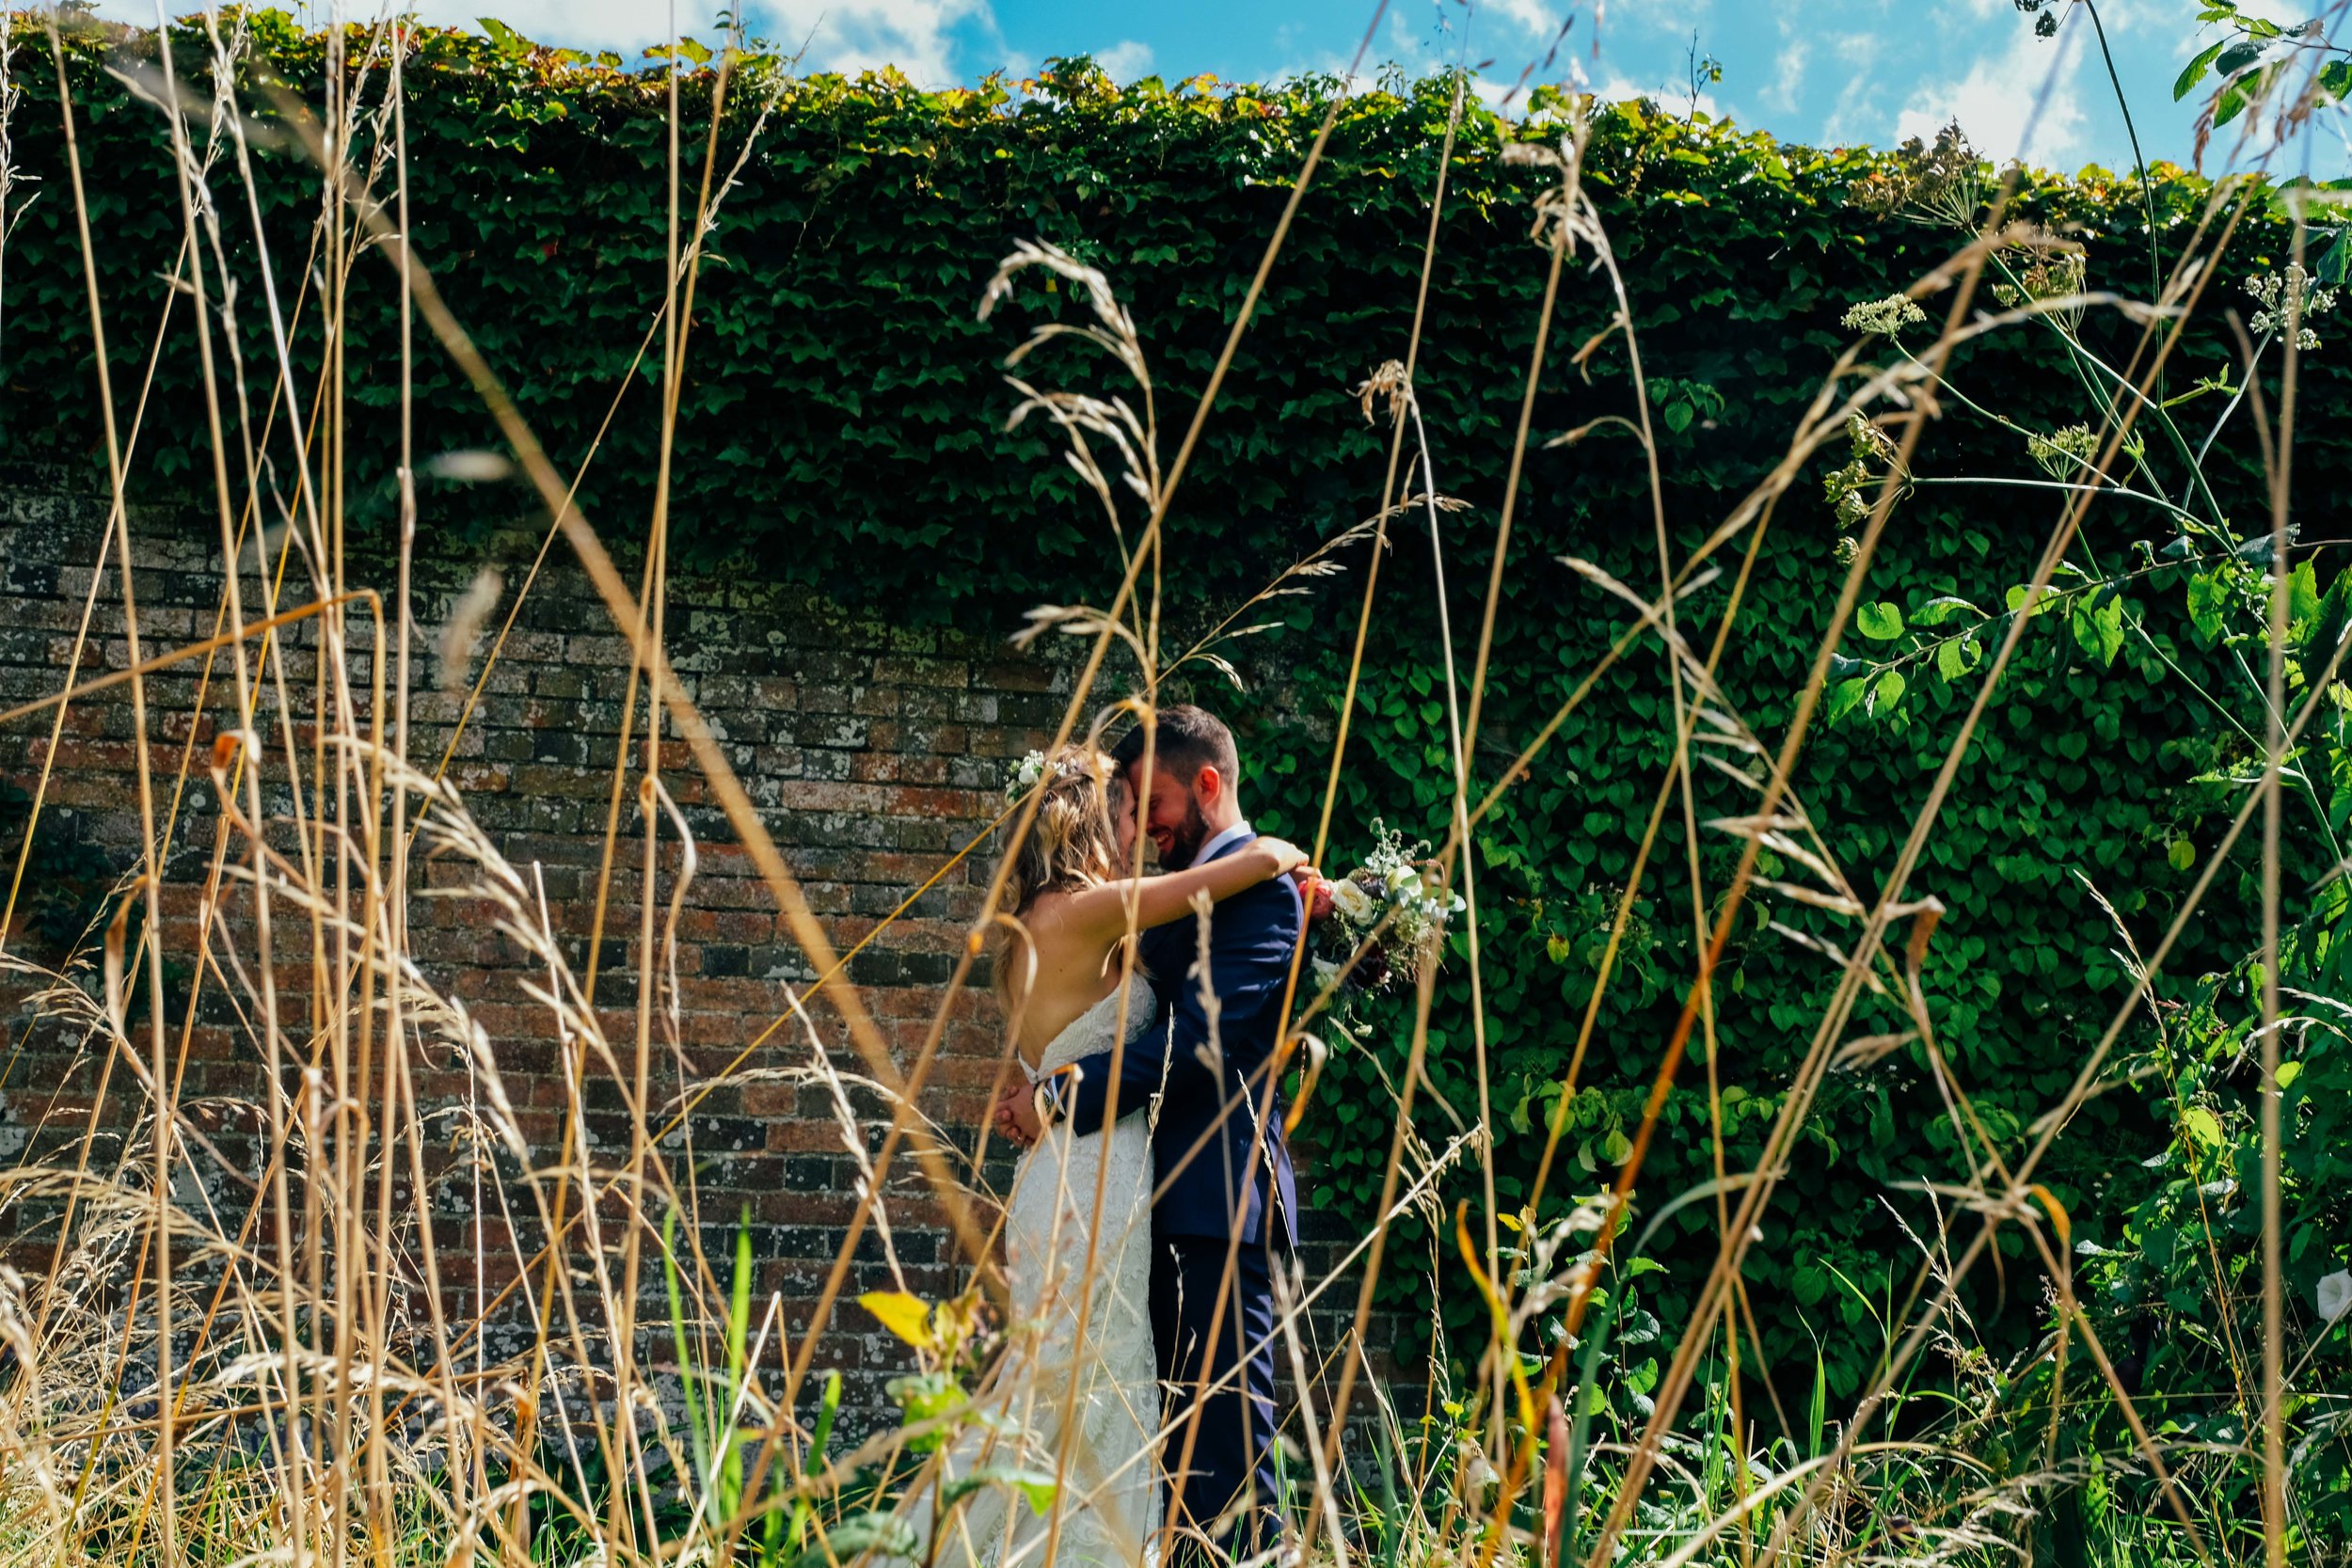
[{"x": 1047, "y": 911}]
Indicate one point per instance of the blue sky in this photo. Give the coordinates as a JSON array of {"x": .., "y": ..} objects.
[{"x": 1829, "y": 72}]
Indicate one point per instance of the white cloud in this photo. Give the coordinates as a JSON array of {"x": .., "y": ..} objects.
[
  {"x": 1674, "y": 97},
  {"x": 1854, "y": 117},
  {"x": 1539, "y": 20},
  {"x": 1670, "y": 19},
  {"x": 1128, "y": 60},
  {"x": 1787, "y": 75},
  {"x": 1406, "y": 40},
  {"x": 914, "y": 35},
  {"x": 1409, "y": 42},
  {"x": 2017, "y": 101}
]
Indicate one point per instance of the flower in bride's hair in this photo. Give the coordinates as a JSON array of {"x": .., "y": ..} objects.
[{"x": 1025, "y": 775}]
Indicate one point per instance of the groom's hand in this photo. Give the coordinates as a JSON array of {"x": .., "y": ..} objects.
[{"x": 1016, "y": 1117}]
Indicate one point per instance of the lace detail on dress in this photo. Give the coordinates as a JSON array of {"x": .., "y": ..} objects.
[{"x": 1109, "y": 1499}]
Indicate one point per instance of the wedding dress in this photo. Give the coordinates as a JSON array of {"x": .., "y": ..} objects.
[{"x": 1109, "y": 1499}]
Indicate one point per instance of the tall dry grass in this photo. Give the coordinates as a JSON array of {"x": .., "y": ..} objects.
[{"x": 215, "y": 1372}]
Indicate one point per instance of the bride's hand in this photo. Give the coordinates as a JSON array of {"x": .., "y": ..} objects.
[
  {"x": 1016, "y": 1115},
  {"x": 1288, "y": 857}
]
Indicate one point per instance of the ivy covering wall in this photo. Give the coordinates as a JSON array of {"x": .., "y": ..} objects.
[{"x": 842, "y": 425}]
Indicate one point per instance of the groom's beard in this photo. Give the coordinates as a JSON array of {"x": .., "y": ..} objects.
[{"x": 1185, "y": 842}]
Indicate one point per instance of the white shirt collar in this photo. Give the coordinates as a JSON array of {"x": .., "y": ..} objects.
[{"x": 1208, "y": 852}]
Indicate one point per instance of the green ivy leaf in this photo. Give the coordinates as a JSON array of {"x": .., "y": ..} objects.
[
  {"x": 2208, "y": 596},
  {"x": 2100, "y": 632},
  {"x": 1888, "y": 693},
  {"x": 1882, "y": 622},
  {"x": 505, "y": 39},
  {"x": 2303, "y": 598},
  {"x": 1938, "y": 610}
]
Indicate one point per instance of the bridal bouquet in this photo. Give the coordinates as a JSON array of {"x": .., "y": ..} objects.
[{"x": 1393, "y": 906}]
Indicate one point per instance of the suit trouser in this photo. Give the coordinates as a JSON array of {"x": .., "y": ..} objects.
[{"x": 1233, "y": 1450}]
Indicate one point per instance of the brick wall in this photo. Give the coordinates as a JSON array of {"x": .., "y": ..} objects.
[{"x": 873, "y": 751}]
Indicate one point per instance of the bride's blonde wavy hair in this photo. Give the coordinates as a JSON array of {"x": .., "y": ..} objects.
[{"x": 1072, "y": 844}]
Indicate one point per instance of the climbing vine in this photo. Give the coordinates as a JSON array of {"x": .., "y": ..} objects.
[{"x": 843, "y": 424}]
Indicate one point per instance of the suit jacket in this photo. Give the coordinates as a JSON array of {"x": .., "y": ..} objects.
[{"x": 1251, "y": 937}]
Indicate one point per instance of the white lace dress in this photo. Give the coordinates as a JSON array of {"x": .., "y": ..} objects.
[{"x": 1109, "y": 1495}]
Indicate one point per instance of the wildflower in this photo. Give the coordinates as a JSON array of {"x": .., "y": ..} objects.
[
  {"x": 1867, "y": 446},
  {"x": 1885, "y": 317},
  {"x": 1843, "y": 490},
  {"x": 2053, "y": 269},
  {"x": 2293, "y": 293},
  {"x": 2063, "y": 453},
  {"x": 1935, "y": 185}
]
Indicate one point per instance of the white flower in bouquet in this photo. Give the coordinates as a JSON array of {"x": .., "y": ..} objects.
[
  {"x": 1355, "y": 906},
  {"x": 1433, "y": 911}
]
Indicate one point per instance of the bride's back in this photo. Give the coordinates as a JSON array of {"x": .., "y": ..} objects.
[{"x": 1073, "y": 975}]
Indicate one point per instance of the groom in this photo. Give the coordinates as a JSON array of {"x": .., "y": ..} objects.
[{"x": 1223, "y": 1168}]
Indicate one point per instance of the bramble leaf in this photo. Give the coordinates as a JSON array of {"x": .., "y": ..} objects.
[{"x": 2194, "y": 70}]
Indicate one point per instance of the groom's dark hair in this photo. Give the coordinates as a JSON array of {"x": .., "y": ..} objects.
[{"x": 1185, "y": 739}]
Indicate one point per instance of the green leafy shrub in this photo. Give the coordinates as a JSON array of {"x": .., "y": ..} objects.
[{"x": 841, "y": 425}]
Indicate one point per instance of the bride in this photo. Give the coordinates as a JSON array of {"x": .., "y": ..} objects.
[{"x": 1069, "y": 1265}]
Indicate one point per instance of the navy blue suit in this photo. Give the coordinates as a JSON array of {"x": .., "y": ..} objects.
[{"x": 1222, "y": 1167}]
